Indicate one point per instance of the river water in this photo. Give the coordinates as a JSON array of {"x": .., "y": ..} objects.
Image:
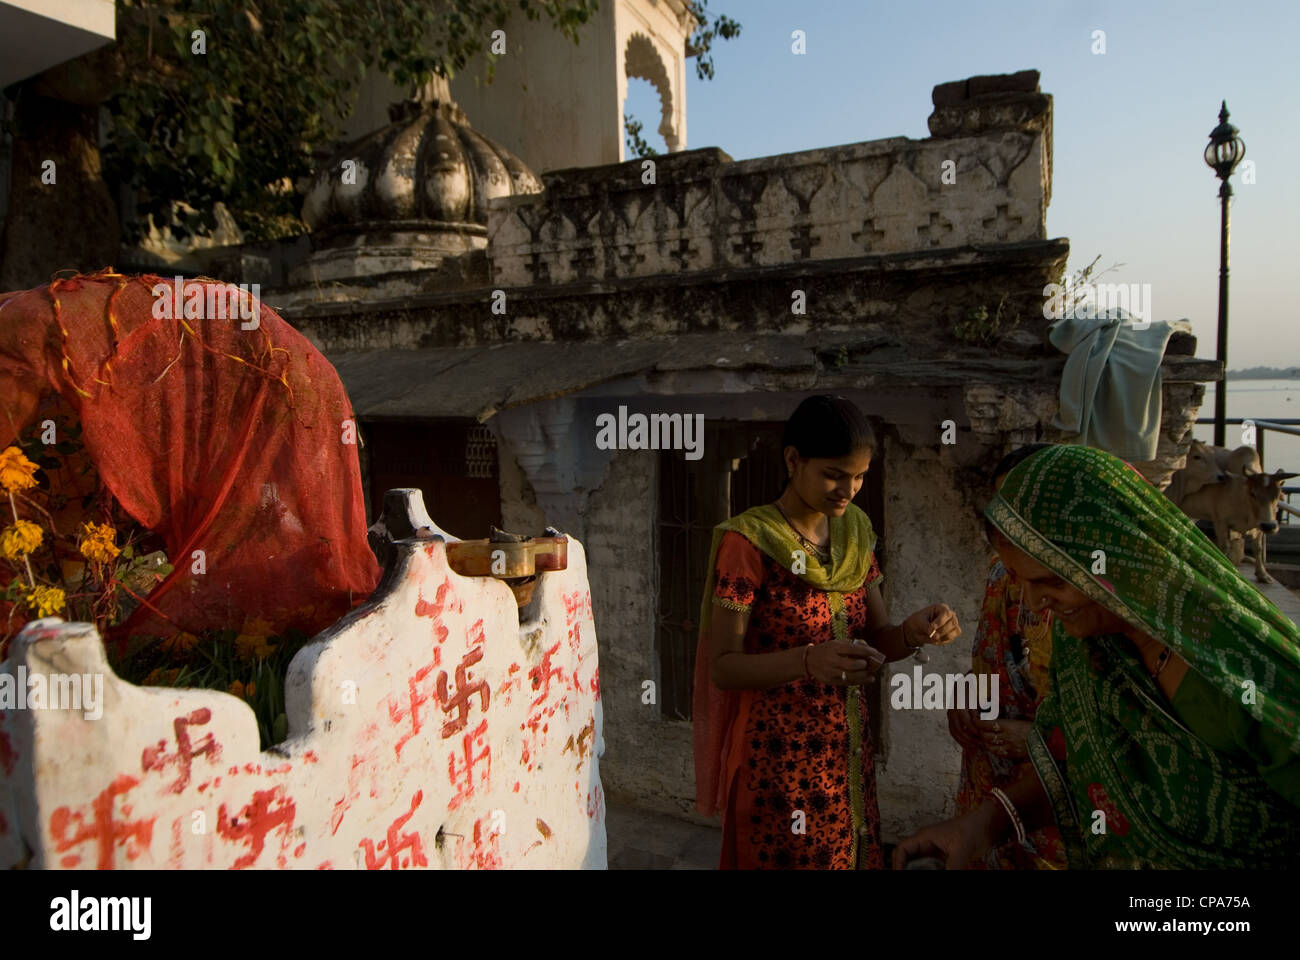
[{"x": 1262, "y": 400}]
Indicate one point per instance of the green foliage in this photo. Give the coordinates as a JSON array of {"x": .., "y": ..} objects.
[
  {"x": 979, "y": 328},
  {"x": 219, "y": 660},
  {"x": 246, "y": 121},
  {"x": 700, "y": 44},
  {"x": 636, "y": 145}
]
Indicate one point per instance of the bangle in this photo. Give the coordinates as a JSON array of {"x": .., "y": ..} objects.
[
  {"x": 1010, "y": 808},
  {"x": 806, "y": 650}
]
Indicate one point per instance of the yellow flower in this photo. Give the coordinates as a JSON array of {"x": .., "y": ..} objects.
[
  {"x": 20, "y": 539},
  {"x": 16, "y": 471},
  {"x": 97, "y": 542},
  {"x": 45, "y": 600}
]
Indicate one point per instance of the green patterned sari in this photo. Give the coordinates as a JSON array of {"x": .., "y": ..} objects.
[{"x": 1131, "y": 784}]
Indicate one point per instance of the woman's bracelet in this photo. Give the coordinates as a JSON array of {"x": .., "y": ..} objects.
[
  {"x": 806, "y": 650},
  {"x": 1010, "y": 808}
]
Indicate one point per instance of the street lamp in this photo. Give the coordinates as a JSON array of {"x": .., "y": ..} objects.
[{"x": 1222, "y": 154}]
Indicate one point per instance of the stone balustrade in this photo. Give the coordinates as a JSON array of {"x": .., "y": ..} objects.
[{"x": 984, "y": 179}]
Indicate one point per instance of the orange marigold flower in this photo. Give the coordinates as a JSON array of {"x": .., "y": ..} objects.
[
  {"x": 97, "y": 542},
  {"x": 16, "y": 471},
  {"x": 236, "y": 689}
]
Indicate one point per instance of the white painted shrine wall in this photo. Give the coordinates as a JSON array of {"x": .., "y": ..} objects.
[{"x": 472, "y": 741}]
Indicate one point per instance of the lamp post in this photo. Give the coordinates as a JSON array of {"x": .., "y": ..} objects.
[{"x": 1222, "y": 154}]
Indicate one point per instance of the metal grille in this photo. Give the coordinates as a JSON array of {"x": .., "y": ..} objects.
[{"x": 480, "y": 452}]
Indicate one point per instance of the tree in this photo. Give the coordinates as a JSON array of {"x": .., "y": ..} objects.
[{"x": 213, "y": 100}]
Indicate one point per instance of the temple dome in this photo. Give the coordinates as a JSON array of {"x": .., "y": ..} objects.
[{"x": 410, "y": 194}]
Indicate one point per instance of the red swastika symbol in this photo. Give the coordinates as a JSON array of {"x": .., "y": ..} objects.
[
  {"x": 396, "y": 842},
  {"x": 102, "y": 828},
  {"x": 542, "y": 673},
  {"x": 465, "y": 689},
  {"x": 258, "y": 820},
  {"x": 157, "y": 758}
]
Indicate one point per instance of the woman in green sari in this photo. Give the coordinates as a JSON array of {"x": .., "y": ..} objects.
[{"x": 1171, "y": 733}]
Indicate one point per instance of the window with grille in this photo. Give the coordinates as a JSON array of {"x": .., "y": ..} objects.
[{"x": 453, "y": 462}]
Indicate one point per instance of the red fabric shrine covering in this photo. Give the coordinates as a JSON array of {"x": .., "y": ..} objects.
[{"x": 228, "y": 441}]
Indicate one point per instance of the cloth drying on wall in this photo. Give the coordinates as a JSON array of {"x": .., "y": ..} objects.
[{"x": 1110, "y": 387}]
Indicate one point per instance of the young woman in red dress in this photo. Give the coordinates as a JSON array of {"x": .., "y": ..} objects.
[{"x": 792, "y": 626}]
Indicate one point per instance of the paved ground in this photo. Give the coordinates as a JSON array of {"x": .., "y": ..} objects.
[
  {"x": 651, "y": 841},
  {"x": 1288, "y": 601}
]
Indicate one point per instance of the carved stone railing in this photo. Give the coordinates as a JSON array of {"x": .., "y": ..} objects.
[
  {"x": 984, "y": 178},
  {"x": 438, "y": 725}
]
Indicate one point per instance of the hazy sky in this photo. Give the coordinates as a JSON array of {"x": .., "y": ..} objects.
[{"x": 1129, "y": 125}]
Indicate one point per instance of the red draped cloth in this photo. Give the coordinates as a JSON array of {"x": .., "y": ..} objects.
[{"x": 236, "y": 446}]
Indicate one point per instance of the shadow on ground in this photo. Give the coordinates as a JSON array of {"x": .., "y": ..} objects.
[{"x": 639, "y": 840}]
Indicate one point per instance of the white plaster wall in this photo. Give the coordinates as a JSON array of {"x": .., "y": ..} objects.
[
  {"x": 550, "y": 102},
  {"x": 937, "y": 553},
  {"x": 396, "y": 776}
]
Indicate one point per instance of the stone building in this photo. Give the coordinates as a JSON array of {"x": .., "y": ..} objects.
[{"x": 483, "y": 318}]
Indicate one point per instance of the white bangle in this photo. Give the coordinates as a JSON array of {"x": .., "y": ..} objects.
[{"x": 1010, "y": 808}]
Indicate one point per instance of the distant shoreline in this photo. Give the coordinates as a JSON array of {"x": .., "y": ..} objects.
[{"x": 1265, "y": 373}]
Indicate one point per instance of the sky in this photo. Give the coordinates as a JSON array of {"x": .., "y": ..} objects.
[{"x": 1130, "y": 125}]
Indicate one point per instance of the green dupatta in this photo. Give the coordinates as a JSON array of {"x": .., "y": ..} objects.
[
  {"x": 1168, "y": 799},
  {"x": 716, "y": 711}
]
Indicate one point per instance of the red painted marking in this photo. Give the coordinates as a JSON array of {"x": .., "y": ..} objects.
[
  {"x": 541, "y": 674},
  {"x": 310, "y": 757},
  {"x": 157, "y": 757},
  {"x": 434, "y": 610},
  {"x": 485, "y": 854},
  {"x": 177, "y": 860},
  {"x": 259, "y": 819},
  {"x": 98, "y": 825},
  {"x": 465, "y": 787},
  {"x": 8, "y": 756},
  {"x": 299, "y": 850},
  {"x": 325, "y": 865},
  {"x": 595, "y": 683},
  {"x": 415, "y": 697},
  {"x": 465, "y": 690},
  {"x": 516, "y": 786},
  {"x": 396, "y": 842}
]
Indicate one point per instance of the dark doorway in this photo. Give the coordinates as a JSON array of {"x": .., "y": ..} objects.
[{"x": 454, "y": 462}]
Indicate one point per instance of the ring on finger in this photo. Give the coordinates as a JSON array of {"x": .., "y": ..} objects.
[{"x": 843, "y": 676}]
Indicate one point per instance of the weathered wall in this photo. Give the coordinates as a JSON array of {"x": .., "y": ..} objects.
[{"x": 429, "y": 728}]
